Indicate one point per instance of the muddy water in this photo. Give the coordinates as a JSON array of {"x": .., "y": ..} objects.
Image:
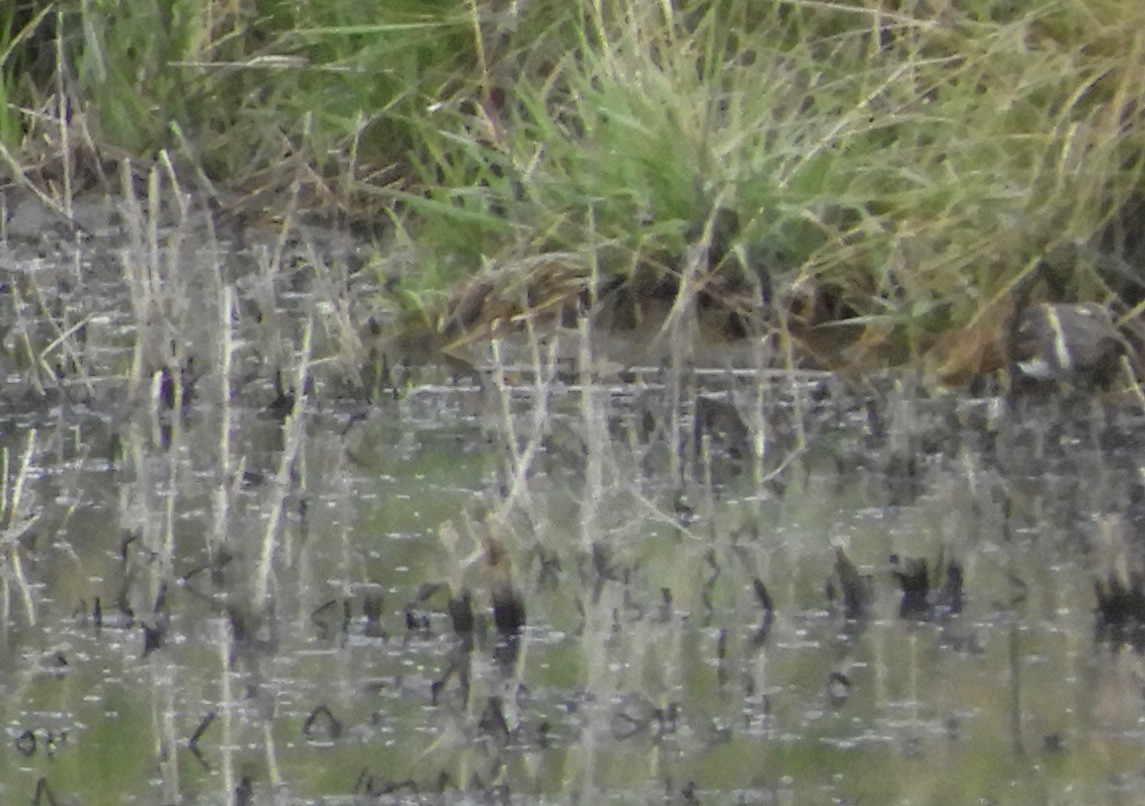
[{"x": 236, "y": 602}]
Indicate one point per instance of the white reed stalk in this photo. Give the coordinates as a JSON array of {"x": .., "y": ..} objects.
[
  {"x": 226, "y": 361},
  {"x": 63, "y": 116},
  {"x": 521, "y": 460},
  {"x": 16, "y": 525},
  {"x": 595, "y": 436},
  {"x": 293, "y": 429},
  {"x": 221, "y": 508},
  {"x": 226, "y": 706}
]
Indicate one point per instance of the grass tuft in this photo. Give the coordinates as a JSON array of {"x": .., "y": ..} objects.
[{"x": 900, "y": 167}]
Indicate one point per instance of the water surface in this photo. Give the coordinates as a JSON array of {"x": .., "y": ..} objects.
[{"x": 259, "y": 596}]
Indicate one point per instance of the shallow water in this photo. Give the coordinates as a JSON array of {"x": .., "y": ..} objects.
[
  {"x": 187, "y": 617},
  {"x": 643, "y": 668}
]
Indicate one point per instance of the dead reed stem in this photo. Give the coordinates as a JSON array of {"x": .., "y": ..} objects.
[
  {"x": 221, "y": 508},
  {"x": 18, "y": 514},
  {"x": 294, "y": 429}
]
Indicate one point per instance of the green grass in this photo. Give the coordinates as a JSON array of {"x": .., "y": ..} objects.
[{"x": 910, "y": 165}]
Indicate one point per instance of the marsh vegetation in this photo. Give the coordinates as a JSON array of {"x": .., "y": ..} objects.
[
  {"x": 867, "y": 183},
  {"x": 236, "y": 572},
  {"x": 431, "y": 403}
]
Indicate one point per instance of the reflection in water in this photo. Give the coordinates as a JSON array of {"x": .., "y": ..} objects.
[
  {"x": 820, "y": 635},
  {"x": 691, "y": 587}
]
